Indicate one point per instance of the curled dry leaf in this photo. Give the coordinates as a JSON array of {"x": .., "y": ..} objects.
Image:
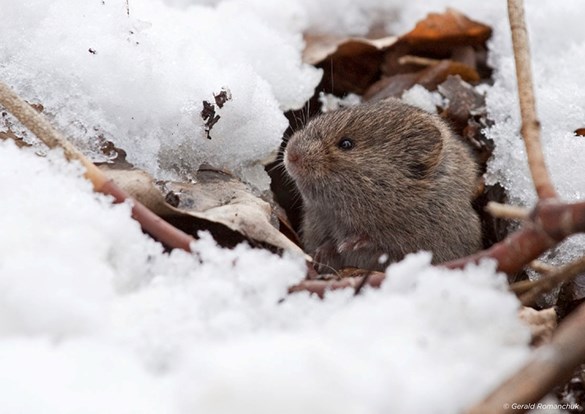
[
  {"x": 439, "y": 46},
  {"x": 464, "y": 102},
  {"x": 320, "y": 47},
  {"x": 430, "y": 78},
  {"x": 440, "y": 33},
  {"x": 350, "y": 64},
  {"x": 216, "y": 202},
  {"x": 542, "y": 324}
]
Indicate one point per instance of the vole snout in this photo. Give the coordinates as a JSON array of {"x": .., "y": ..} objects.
[{"x": 302, "y": 157}]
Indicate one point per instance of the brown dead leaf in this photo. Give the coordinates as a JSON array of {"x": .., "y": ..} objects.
[
  {"x": 350, "y": 64},
  {"x": 449, "y": 35},
  {"x": 216, "y": 202},
  {"x": 9, "y": 134},
  {"x": 440, "y": 33},
  {"x": 320, "y": 47},
  {"x": 430, "y": 78},
  {"x": 542, "y": 323},
  {"x": 392, "y": 86},
  {"x": 574, "y": 290},
  {"x": 464, "y": 102}
]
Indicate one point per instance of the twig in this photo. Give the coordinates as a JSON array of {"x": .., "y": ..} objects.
[
  {"x": 319, "y": 287},
  {"x": 550, "y": 365},
  {"x": 506, "y": 211},
  {"x": 542, "y": 267},
  {"x": 418, "y": 60},
  {"x": 37, "y": 124},
  {"x": 530, "y": 124},
  {"x": 525, "y": 285},
  {"x": 547, "y": 283},
  {"x": 362, "y": 284}
]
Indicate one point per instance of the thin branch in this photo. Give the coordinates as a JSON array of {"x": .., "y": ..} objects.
[
  {"x": 546, "y": 284},
  {"x": 530, "y": 124},
  {"x": 37, "y": 124},
  {"x": 542, "y": 267},
  {"x": 319, "y": 287},
  {"x": 550, "y": 365},
  {"x": 418, "y": 60},
  {"x": 524, "y": 286},
  {"x": 506, "y": 211}
]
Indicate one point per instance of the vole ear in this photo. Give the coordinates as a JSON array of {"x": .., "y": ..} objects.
[{"x": 425, "y": 147}]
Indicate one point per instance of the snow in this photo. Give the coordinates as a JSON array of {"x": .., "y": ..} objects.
[
  {"x": 420, "y": 97},
  {"x": 94, "y": 317},
  {"x": 144, "y": 85}
]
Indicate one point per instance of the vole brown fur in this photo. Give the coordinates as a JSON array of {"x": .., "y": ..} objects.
[{"x": 383, "y": 178}]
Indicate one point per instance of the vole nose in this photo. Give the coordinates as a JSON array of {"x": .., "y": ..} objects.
[{"x": 292, "y": 155}]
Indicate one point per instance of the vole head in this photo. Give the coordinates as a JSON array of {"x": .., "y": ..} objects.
[{"x": 377, "y": 147}]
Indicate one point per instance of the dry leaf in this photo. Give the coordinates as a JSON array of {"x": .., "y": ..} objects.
[
  {"x": 320, "y": 47},
  {"x": 440, "y": 33},
  {"x": 217, "y": 202},
  {"x": 542, "y": 323},
  {"x": 349, "y": 64},
  {"x": 464, "y": 102},
  {"x": 430, "y": 78}
]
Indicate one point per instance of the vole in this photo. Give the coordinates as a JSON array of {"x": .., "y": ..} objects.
[{"x": 381, "y": 180}]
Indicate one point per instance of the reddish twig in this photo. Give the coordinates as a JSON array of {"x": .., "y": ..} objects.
[
  {"x": 550, "y": 223},
  {"x": 319, "y": 287},
  {"x": 37, "y": 124}
]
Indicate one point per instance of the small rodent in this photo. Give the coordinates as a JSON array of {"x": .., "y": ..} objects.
[{"x": 383, "y": 178}]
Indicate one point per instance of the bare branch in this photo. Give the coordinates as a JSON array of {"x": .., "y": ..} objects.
[
  {"x": 37, "y": 124},
  {"x": 418, "y": 60},
  {"x": 542, "y": 267},
  {"x": 552, "y": 280},
  {"x": 506, "y": 211},
  {"x": 319, "y": 287},
  {"x": 530, "y": 124}
]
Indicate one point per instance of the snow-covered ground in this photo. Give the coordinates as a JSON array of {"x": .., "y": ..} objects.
[{"x": 94, "y": 317}]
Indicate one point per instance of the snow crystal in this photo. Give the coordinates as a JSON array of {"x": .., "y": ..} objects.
[
  {"x": 140, "y": 80},
  {"x": 560, "y": 105},
  {"x": 422, "y": 98},
  {"x": 330, "y": 102}
]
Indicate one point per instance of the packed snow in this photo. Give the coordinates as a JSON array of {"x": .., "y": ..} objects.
[{"x": 95, "y": 317}]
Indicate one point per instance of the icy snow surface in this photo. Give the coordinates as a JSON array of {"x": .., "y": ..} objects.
[
  {"x": 95, "y": 318},
  {"x": 140, "y": 80}
]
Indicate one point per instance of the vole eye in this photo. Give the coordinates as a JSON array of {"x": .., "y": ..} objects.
[{"x": 345, "y": 144}]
